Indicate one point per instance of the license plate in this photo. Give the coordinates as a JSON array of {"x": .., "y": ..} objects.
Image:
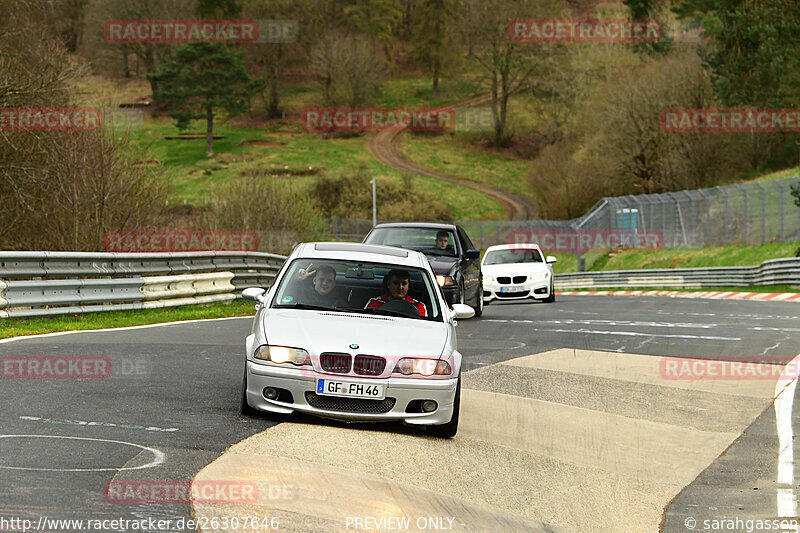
[
  {"x": 512, "y": 288},
  {"x": 349, "y": 389}
]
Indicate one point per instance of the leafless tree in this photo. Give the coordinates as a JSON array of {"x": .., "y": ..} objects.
[
  {"x": 60, "y": 190},
  {"x": 509, "y": 66},
  {"x": 350, "y": 68}
]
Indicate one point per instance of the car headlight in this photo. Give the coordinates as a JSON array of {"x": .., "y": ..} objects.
[
  {"x": 282, "y": 354},
  {"x": 445, "y": 280},
  {"x": 490, "y": 279},
  {"x": 426, "y": 367}
]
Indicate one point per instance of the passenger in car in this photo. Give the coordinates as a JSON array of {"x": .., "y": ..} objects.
[
  {"x": 322, "y": 289},
  {"x": 396, "y": 283}
]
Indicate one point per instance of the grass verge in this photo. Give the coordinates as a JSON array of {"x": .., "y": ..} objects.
[
  {"x": 643, "y": 258},
  {"x": 14, "y": 327}
]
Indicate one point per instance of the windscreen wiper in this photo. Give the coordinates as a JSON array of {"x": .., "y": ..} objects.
[
  {"x": 310, "y": 307},
  {"x": 378, "y": 311}
]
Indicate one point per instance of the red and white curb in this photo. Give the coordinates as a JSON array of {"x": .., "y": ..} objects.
[{"x": 714, "y": 295}]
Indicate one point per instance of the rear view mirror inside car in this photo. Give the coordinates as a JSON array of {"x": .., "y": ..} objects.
[{"x": 359, "y": 273}]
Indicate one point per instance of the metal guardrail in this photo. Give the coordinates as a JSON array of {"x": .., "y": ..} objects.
[
  {"x": 773, "y": 272},
  {"x": 55, "y": 283}
]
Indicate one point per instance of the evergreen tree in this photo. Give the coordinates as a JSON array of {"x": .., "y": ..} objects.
[{"x": 203, "y": 79}]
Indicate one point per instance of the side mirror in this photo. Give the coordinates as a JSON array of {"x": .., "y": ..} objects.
[
  {"x": 253, "y": 294},
  {"x": 463, "y": 311},
  {"x": 472, "y": 254},
  {"x": 551, "y": 259}
]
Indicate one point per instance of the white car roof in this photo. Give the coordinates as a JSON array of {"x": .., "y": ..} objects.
[
  {"x": 521, "y": 246},
  {"x": 349, "y": 251}
]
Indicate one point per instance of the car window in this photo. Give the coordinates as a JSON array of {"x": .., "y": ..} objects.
[
  {"x": 466, "y": 240},
  {"x": 420, "y": 239},
  {"x": 502, "y": 257},
  {"x": 355, "y": 284}
]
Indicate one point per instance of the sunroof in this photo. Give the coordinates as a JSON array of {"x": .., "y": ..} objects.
[{"x": 355, "y": 247}]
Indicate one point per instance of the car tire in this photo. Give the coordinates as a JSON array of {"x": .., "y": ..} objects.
[
  {"x": 449, "y": 430},
  {"x": 479, "y": 302},
  {"x": 245, "y": 408},
  {"x": 552, "y": 298}
]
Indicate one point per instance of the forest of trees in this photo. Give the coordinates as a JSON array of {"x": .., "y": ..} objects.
[{"x": 595, "y": 131}]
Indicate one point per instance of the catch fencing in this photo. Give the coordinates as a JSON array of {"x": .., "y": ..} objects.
[
  {"x": 750, "y": 213},
  {"x": 56, "y": 283}
]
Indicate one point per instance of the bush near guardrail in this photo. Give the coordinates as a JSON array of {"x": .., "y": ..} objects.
[
  {"x": 772, "y": 272},
  {"x": 56, "y": 283}
]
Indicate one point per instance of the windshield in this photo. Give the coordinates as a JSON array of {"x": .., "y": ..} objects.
[
  {"x": 430, "y": 241},
  {"x": 358, "y": 286},
  {"x": 502, "y": 257}
]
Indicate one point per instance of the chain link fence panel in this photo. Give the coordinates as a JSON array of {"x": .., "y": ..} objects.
[{"x": 751, "y": 213}]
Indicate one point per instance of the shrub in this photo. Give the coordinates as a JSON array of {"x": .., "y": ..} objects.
[
  {"x": 349, "y": 195},
  {"x": 281, "y": 215}
]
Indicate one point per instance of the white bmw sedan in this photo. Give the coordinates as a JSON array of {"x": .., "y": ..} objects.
[
  {"x": 355, "y": 332},
  {"x": 517, "y": 272}
]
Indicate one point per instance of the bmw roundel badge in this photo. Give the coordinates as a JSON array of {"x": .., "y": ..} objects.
[{"x": 354, "y": 346}]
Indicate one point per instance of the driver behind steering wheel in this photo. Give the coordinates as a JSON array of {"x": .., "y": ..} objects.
[{"x": 396, "y": 283}]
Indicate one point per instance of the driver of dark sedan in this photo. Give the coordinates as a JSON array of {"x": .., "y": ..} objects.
[
  {"x": 442, "y": 238},
  {"x": 396, "y": 283}
]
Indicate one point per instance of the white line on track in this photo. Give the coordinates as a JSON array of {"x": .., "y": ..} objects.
[
  {"x": 620, "y": 333},
  {"x": 158, "y": 456},
  {"x": 125, "y": 328},
  {"x": 637, "y": 334},
  {"x": 784, "y": 400}
]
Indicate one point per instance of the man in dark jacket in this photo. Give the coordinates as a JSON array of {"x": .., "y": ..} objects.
[{"x": 322, "y": 288}]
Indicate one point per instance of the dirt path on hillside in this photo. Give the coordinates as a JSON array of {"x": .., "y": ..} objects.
[{"x": 384, "y": 147}]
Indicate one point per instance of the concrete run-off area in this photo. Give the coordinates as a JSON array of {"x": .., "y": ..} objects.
[{"x": 565, "y": 440}]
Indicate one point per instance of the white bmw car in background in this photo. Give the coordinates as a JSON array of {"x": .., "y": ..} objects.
[
  {"x": 517, "y": 272},
  {"x": 353, "y": 353}
]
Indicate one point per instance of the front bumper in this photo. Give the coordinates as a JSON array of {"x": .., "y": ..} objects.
[
  {"x": 301, "y": 382},
  {"x": 537, "y": 290}
]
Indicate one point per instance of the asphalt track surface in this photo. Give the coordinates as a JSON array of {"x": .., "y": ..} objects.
[{"x": 175, "y": 389}]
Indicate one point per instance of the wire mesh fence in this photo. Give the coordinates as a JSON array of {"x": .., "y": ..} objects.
[{"x": 751, "y": 213}]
